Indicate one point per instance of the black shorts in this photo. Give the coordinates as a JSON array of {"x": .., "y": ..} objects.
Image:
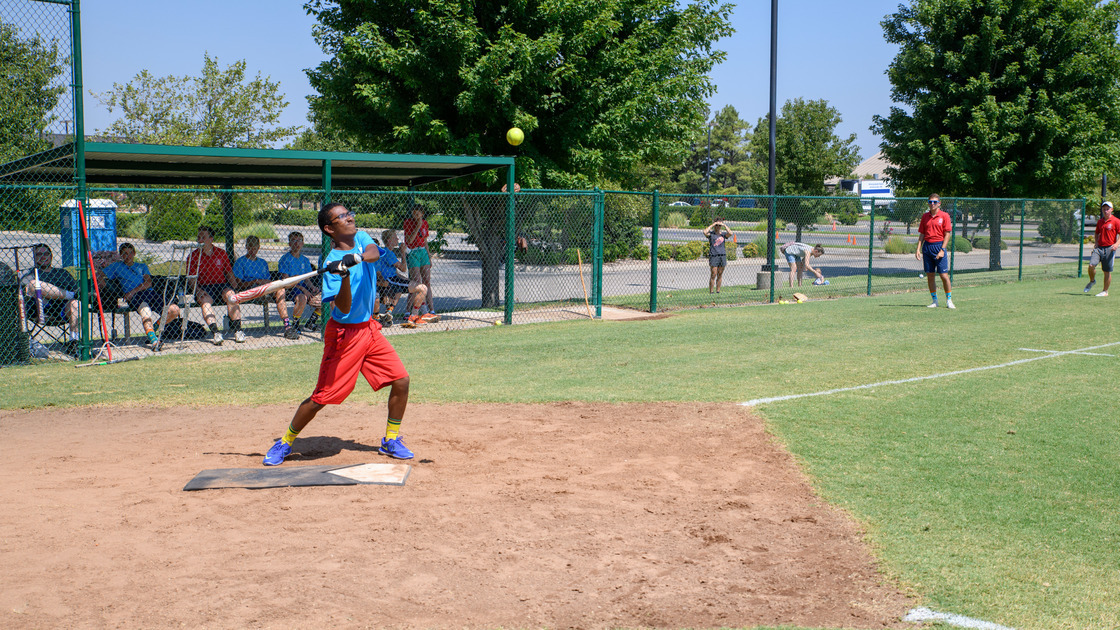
[
  {"x": 393, "y": 287},
  {"x": 149, "y": 295},
  {"x": 215, "y": 291}
]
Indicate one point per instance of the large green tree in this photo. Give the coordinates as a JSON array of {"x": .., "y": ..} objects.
[
  {"x": 807, "y": 151},
  {"x": 218, "y": 108},
  {"x": 29, "y": 91},
  {"x": 598, "y": 87},
  {"x": 1002, "y": 98}
]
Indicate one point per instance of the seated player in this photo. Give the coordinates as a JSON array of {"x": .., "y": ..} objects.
[
  {"x": 251, "y": 271},
  {"x": 292, "y": 263},
  {"x": 215, "y": 281},
  {"x": 136, "y": 289},
  {"x": 392, "y": 281},
  {"x": 57, "y": 288}
]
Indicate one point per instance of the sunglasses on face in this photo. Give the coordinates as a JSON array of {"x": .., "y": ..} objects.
[
  {"x": 345, "y": 215},
  {"x": 934, "y": 202}
]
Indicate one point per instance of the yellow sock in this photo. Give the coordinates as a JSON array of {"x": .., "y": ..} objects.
[
  {"x": 290, "y": 435},
  {"x": 393, "y": 429}
]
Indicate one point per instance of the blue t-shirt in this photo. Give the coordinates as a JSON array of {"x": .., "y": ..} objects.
[
  {"x": 294, "y": 265},
  {"x": 128, "y": 277},
  {"x": 386, "y": 264},
  {"x": 247, "y": 270},
  {"x": 363, "y": 284}
]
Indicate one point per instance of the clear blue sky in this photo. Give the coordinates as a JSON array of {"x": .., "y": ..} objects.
[{"x": 826, "y": 50}]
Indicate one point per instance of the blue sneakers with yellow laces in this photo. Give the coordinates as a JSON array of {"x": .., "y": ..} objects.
[
  {"x": 395, "y": 448},
  {"x": 277, "y": 453}
]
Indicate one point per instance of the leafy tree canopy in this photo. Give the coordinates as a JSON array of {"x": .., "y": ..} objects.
[
  {"x": 29, "y": 68},
  {"x": 1002, "y": 98},
  {"x": 218, "y": 108},
  {"x": 807, "y": 147},
  {"x": 598, "y": 87}
]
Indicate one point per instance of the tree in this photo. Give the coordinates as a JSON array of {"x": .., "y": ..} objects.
[
  {"x": 216, "y": 109},
  {"x": 1002, "y": 99},
  {"x": 598, "y": 88},
  {"x": 808, "y": 151},
  {"x": 731, "y": 173},
  {"x": 28, "y": 92}
]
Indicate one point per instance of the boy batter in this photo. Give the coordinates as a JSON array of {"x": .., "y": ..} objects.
[{"x": 352, "y": 339}]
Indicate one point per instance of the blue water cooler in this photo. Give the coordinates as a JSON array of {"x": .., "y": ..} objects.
[{"x": 101, "y": 220}]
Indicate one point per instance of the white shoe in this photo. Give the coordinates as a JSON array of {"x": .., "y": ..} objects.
[
  {"x": 1102, "y": 294},
  {"x": 239, "y": 337},
  {"x": 934, "y": 305},
  {"x": 1090, "y": 286},
  {"x": 950, "y": 305},
  {"x": 216, "y": 338}
]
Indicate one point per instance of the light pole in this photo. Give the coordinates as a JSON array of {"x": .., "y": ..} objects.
[
  {"x": 773, "y": 132},
  {"x": 708, "y": 164}
]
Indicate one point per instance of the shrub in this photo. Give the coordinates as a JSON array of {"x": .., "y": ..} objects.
[
  {"x": 538, "y": 256},
  {"x": 755, "y": 248},
  {"x": 745, "y": 214},
  {"x": 700, "y": 217},
  {"x": 666, "y": 252},
  {"x": 899, "y": 245},
  {"x": 295, "y": 216},
  {"x": 261, "y": 230},
  {"x": 376, "y": 220},
  {"x": 641, "y": 252},
  {"x": 674, "y": 220},
  {"x": 959, "y": 244},
  {"x": 132, "y": 224},
  {"x": 242, "y": 214},
  {"x": 847, "y": 217},
  {"x": 731, "y": 253},
  {"x": 614, "y": 251},
  {"x": 690, "y": 251},
  {"x": 173, "y": 217},
  {"x": 764, "y": 224},
  {"x": 984, "y": 242}
]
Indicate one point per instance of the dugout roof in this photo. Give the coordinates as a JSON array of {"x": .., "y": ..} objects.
[{"x": 135, "y": 164}]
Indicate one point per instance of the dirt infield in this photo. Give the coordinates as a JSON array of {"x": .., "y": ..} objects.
[{"x": 517, "y": 516}]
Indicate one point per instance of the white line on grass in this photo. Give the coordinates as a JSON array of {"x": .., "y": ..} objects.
[
  {"x": 1091, "y": 354},
  {"x": 922, "y": 615},
  {"x": 1051, "y": 355}
]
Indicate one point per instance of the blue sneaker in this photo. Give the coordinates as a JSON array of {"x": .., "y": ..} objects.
[
  {"x": 277, "y": 453},
  {"x": 395, "y": 448}
]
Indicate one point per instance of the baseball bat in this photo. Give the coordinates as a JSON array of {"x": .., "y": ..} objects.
[
  {"x": 274, "y": 286},
  {"x": 22, "y": 306},
  {"x": 39, "y": 297}
]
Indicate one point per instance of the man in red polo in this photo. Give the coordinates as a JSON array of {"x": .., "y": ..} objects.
[
  {"x": 931, "y": 248},
  {"x": 1104, "y": 251}
]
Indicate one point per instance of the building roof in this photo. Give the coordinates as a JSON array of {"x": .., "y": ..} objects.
[
  {"x": 137, "y": 164},
  {"x": 873, "y": 166}
]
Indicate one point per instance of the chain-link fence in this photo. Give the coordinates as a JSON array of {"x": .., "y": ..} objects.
[{"x": 573, "y": 253}]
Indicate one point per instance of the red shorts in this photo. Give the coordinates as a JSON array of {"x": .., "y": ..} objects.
[{"x": 349, "y": 349}]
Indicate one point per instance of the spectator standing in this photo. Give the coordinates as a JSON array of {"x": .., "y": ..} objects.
[
  {"x": 1104, "y": 248},
  {"x": 419, "y": 261},
  {"x": 717, "y": 252},
  {"x": 934, "y": 225}
]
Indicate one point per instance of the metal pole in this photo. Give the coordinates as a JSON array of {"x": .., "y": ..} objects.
[
  {"x": 653, "y": 252},
  {"x": 708, "y": 164},
  {"x": 773, "y": 129},
  {"x": 870, "y": 243},
  {"x": 511, "y": 243},
  {"x": 80, "y": 163},
  {"x": 1022, "y": 221}
]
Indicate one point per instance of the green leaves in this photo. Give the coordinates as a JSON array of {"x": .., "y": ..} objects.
[
  {"x": 219, "y": 108},
  {"x": 598, "y": 87},
  {"x": 1015, "y": 99},
  {"x": 28, "y": 92}
]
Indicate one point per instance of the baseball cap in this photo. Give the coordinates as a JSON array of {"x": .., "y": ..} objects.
[{"x": 1107, "y": 203}]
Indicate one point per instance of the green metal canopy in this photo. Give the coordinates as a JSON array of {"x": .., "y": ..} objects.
[{"x": 118, "y": 163}]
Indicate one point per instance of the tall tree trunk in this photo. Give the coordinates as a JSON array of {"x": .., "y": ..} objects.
[{"x": 487, "y": 230}]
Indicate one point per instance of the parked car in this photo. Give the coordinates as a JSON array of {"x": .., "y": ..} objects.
[
  {"x": 680, "y": 203},
  {"x": 1090, "y": 218},
  {"x": 747, "y": 203}
]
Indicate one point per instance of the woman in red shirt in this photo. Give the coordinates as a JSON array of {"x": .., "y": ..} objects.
[{"x": 419, "y": 262}]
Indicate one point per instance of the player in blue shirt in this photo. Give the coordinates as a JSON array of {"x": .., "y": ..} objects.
[
  {"x": 136, "y": 289},
  {"x": 352, "y": 340},
  {"x": 393, "y": 280},
  {"x": 251, "y": 271},
  {"x": 292, "y": 263}
]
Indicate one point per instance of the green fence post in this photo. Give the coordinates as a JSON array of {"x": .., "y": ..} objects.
[
  {"x": 953, "y": 240},
  {"x": 511, "y": 244},
  {"x": 80, "y": 167},
  {"x": 870, "y": 243},
  {"x": 600, "y": 207},
  {"x": 656, "y": 212},
  {"x": 1081, "y": 242},
  {"x": 1022, "y": 222},
  {"x": 325, "y": 245}
]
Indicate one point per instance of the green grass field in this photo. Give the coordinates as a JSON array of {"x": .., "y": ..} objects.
[{"x": 992, "y": 494}]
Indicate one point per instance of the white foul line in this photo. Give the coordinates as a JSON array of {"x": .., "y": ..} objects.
[
  {"x": 1050, "y": 355},
  {"x": 1091, "y": 354}
]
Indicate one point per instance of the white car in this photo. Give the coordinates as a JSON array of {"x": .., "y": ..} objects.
[
  {"x": 1090, "y": 219},
  {"x": 680, "y": 203}
]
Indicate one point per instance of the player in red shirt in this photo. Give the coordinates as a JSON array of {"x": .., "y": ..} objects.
[
  {"x": 215, "y": 281},
  {"x": 1105, "y": 249},
  {"x": 931, "y": 240}
]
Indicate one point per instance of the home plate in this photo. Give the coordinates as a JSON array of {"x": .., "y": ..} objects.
[{"x": 288, "y": 476}]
